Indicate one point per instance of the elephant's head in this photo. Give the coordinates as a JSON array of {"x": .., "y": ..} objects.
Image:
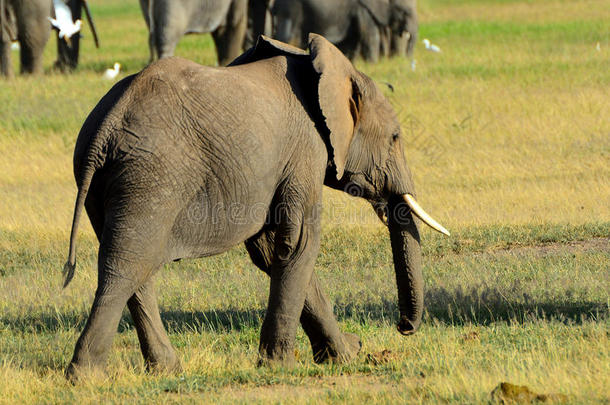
[
  {"x": 403, "y": 22},
  {"x": 401, "y": 17},
  {"x": 367, "y": 158}
]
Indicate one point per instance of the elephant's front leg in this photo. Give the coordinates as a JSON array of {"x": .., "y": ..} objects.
[{"x": 296, "y": 248}]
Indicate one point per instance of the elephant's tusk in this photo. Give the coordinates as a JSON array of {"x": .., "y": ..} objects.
[{"x": 423, "y": 215}]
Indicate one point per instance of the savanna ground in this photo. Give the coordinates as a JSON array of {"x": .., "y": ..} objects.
[{"x": 508, "y": 136}]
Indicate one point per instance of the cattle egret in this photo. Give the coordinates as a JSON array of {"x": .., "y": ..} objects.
[
  {"x": 63, "y": 20},
  {"x": 110, "y": 74},
  {"x": 15, "y": 46},
  {"x": 413, "y": 65},
  {"x": 598, "y": 47},
  {"x": 431, "y": 47}
]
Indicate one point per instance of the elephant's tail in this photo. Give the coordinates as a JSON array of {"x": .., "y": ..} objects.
[{"x": 70, "y": 265}]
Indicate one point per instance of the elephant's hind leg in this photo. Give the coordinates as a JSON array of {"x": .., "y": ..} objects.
[
  {"x": 122, "y": 272},
  {"x": 157, "y": 350},
  {"x": 327, "y": 341},
  {"x": 93, "y": 345}
]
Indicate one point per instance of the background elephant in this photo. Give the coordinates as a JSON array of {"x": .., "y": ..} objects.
[
  {"x": 27, "y": 21},
  {"x": 399, "y": 36},
  {"x": 358, "y": 27},
  {"x": 246, "y": 162},
  {"x": 171, "y": 19}
]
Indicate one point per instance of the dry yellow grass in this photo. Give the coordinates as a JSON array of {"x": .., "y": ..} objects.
[{"x": 508, "y": 137}]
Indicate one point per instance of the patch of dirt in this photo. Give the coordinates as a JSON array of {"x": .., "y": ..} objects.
[
  {"x": 507, "y": 393},
  {"x": 557, "y": 248},
  {"x": 382, "y": 357}
]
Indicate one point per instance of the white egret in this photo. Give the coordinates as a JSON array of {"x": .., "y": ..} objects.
[
  {"x": 111, "y": 74},
  {"x": 431, "y": 47},
  {"x": 63, "y": 20}
]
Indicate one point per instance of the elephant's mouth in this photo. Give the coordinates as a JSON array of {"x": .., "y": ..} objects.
[{"x": 381, "y": 209}]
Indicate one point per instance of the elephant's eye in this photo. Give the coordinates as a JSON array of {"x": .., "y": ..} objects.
[{"x": 395, "y": 137}]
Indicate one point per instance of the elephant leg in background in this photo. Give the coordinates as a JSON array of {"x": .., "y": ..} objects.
[
  {"x": 259, "y": 22},
  {"x": 6, "y": 65},
  {"x": 164, "y": 39},
  {"x": 400, "y": 43},
  {"x": 33, "y": 32},
  {"x": 157, "y": 350},
  {"x": 385, "y": 41},
  {"x": 369, "y": 35},
  {"x": 67, "y": 53},
  {"x": 229, "y": 37},
  {"x": 317, "y": 318},
  {"x": 6, "y": 21}
]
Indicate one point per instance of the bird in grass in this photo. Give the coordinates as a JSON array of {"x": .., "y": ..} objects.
[
  {"x": 63, "y": 20},
  {"x": 598, "y": 47},
  {"x": 431, "y": 47},
  {"x": 111, "y": 74},
  {"x": 413, "y": 64}
]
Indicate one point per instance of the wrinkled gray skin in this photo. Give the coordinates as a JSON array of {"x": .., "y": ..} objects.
[
  {"x": 364, "y": 28},
  {"x": 27, "y": 22},
  {"x": 185, "y": 161},
  {"x": 225, "y": 19}
]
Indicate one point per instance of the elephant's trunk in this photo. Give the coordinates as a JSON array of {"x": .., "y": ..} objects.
[{"x": 406, "y": 251}]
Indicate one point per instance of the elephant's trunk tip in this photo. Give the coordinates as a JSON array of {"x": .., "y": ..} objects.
[
  {"x": 406, "y": 327},
  {"x": 68, "y": 272}
]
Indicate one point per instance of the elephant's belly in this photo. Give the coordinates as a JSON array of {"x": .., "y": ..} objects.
[{"x": 205, "y": 229}]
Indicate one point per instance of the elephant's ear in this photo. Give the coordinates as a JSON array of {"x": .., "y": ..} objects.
[
  {"x": 379, "y": 10},
  {"x": 338, "y": 94},
  {"x": 267, "y": 48}
]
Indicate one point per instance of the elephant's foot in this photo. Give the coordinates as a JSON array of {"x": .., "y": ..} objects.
[
  {"x": 78, "y": 372},
  {"x": 341, "y": 352},
  {"x": 164, "y": 362},
  {"x": 274, "y": 354}
]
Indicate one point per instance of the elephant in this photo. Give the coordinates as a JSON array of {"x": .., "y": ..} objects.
[
  {"x": 399, "y": 37},
  {"x": 364, "y": 28},
  {"x": 27, "y": 21},
  {"x": 184, "y": 161},
  {"x": 226, "y": 19}
]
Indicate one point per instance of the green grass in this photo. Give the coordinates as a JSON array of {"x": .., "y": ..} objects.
[{"x": 508, "y": 138}]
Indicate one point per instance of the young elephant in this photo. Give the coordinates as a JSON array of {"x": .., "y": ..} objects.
[{"x": 185, "y": 161}]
